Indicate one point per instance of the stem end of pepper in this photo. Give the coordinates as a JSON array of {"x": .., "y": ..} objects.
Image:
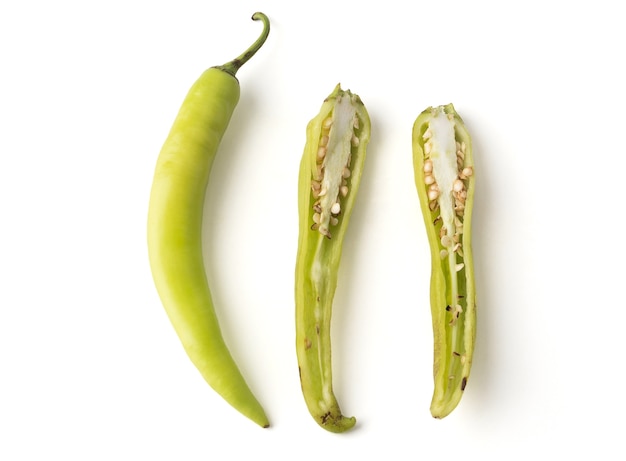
[{"x": 233, "y": 66}]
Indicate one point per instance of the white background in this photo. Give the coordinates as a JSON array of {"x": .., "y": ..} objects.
[{"x": 90, "y": 368}]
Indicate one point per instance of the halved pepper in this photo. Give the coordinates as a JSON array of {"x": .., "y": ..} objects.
[
  {"x": 444, "y": 177},
  {"x": 330, "y": 173}
]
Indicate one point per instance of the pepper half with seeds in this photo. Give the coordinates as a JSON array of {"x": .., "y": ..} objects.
[
  {"x": 330, "y": 173},
  {"x": 444, "y": 176}
]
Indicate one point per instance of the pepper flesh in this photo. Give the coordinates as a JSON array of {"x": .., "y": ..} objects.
[
  {"x": 175, "y": 227},
  {"x": 444, "y": 177},
  {"x": 330, "y": 173}
]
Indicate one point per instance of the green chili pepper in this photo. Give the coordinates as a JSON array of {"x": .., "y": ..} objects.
[
  {"x": 330, "y": 173},
  {"x": 175, "y": 227},
  {"x": 444, "y": 176}
]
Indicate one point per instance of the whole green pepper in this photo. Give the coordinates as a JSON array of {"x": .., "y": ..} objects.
[
  {"x": 175, "y": 227},
  {"x": 330, "y": 173},
  {"x": 444, "y": 176}
]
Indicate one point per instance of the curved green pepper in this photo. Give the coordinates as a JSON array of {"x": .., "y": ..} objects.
[
  {"x": 175, "y": 227},
  {"x": 330, "y": 173},
  {"x": 444, "y": 176}
]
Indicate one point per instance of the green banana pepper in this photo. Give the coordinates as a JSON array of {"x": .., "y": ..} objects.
[
  {"x": 444, "y": 177},
  {"x": 175, "y": 227},
  {"x": 330, "y": 173}
]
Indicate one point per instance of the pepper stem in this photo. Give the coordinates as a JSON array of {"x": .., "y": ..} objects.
[{"x": 233, "y": 66}]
